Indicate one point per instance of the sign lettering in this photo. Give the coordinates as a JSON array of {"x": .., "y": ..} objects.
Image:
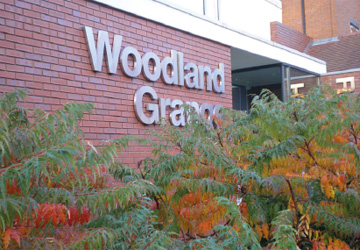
[{"x": 172, "y": 70}]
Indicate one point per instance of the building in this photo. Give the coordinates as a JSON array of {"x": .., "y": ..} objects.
[
  {"x": 139, "y": 60},
  {"x": 328, "y": 30},
  {"x": 323, "y": 18}
]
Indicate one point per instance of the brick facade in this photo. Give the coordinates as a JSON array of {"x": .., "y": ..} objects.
[
  {"x": 309, "y": 84},
  {"x": 347, "y": 9},
  {"x": 323, "y": 18},
  {"x": 291, "y": 14},
  {"x": 43, "y": 49},
  {"x": 331, "y": 80},
  {"x": 289, "y": 37}
]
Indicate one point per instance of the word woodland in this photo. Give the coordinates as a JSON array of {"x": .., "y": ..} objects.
[{"x": 172, "y": 71}]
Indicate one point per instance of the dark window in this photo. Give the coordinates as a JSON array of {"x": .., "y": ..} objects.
[
  {"x": 354, "y": 26},
  {"x": 250, "y": 82}
]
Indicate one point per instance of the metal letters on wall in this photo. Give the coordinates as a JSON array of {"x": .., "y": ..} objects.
[
  {"x": 345, "y": 81},
  {"x": 189, "y": 75}
]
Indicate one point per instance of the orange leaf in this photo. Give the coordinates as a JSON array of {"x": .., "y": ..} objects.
[
  {"x": 24, "y": 230},
  {"x": 244, "y": 209},
  {"x": 6, "y": 237},
  {"x": 291, "y": 204},
  {"x": 324, "y": 180},
  {"x": 318, "y": 245},
  {"x": 265, "y": 230},
  {"x": 342, "y": 178},
  {"x": 258, "y": 229},
  {"x": 62, "y": 217},
  {"x": 205, "y": 227}
]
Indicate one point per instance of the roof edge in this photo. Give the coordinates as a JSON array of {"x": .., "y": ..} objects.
[
  {"x": 341, "y": 72},
  {"x": 325, "y": 41},
  {"x": 179, "y": 18}
]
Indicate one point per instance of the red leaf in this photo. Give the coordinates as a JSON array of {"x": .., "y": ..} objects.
[
  {"x": 38, "y": 216},
  {"x": 54, "y": 218},
  {"x": 74, "y": 216},
  {"x": 46, "y": 218},
  {"x": 85, "y": 215},
  {"x": 15, "y": 236}
]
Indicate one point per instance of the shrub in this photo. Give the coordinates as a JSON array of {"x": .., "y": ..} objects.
[{"x": 282, "y": 176}]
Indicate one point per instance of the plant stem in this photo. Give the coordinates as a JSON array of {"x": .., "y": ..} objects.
[{"x": 294, "y": 200}]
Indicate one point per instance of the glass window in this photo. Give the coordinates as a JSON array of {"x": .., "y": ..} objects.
[
  {"x": 246, "y": 83},
  {"x": 302, "y": 81},
  {"x": 283, "y": 80}
]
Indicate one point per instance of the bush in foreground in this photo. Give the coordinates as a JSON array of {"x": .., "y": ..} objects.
[{"x": 283, "y": 176}]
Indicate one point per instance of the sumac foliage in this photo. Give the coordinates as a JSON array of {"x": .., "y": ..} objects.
[
  {"x": 57, "y": 191},
  {"x": 281, "y": 176}
]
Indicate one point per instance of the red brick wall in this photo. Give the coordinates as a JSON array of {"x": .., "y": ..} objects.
[
  {"x": 289, "y": 37},
  {"x": 291, "y": 14},
  {"x": 321, "y": 19},
  {"x": 331, "y": 80},
  {"x": 43, "y": 49},
  {"x": 347, "y": 9},
  {"x": 324, "y": 18},
  {"x": 309, "y": 84}
]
